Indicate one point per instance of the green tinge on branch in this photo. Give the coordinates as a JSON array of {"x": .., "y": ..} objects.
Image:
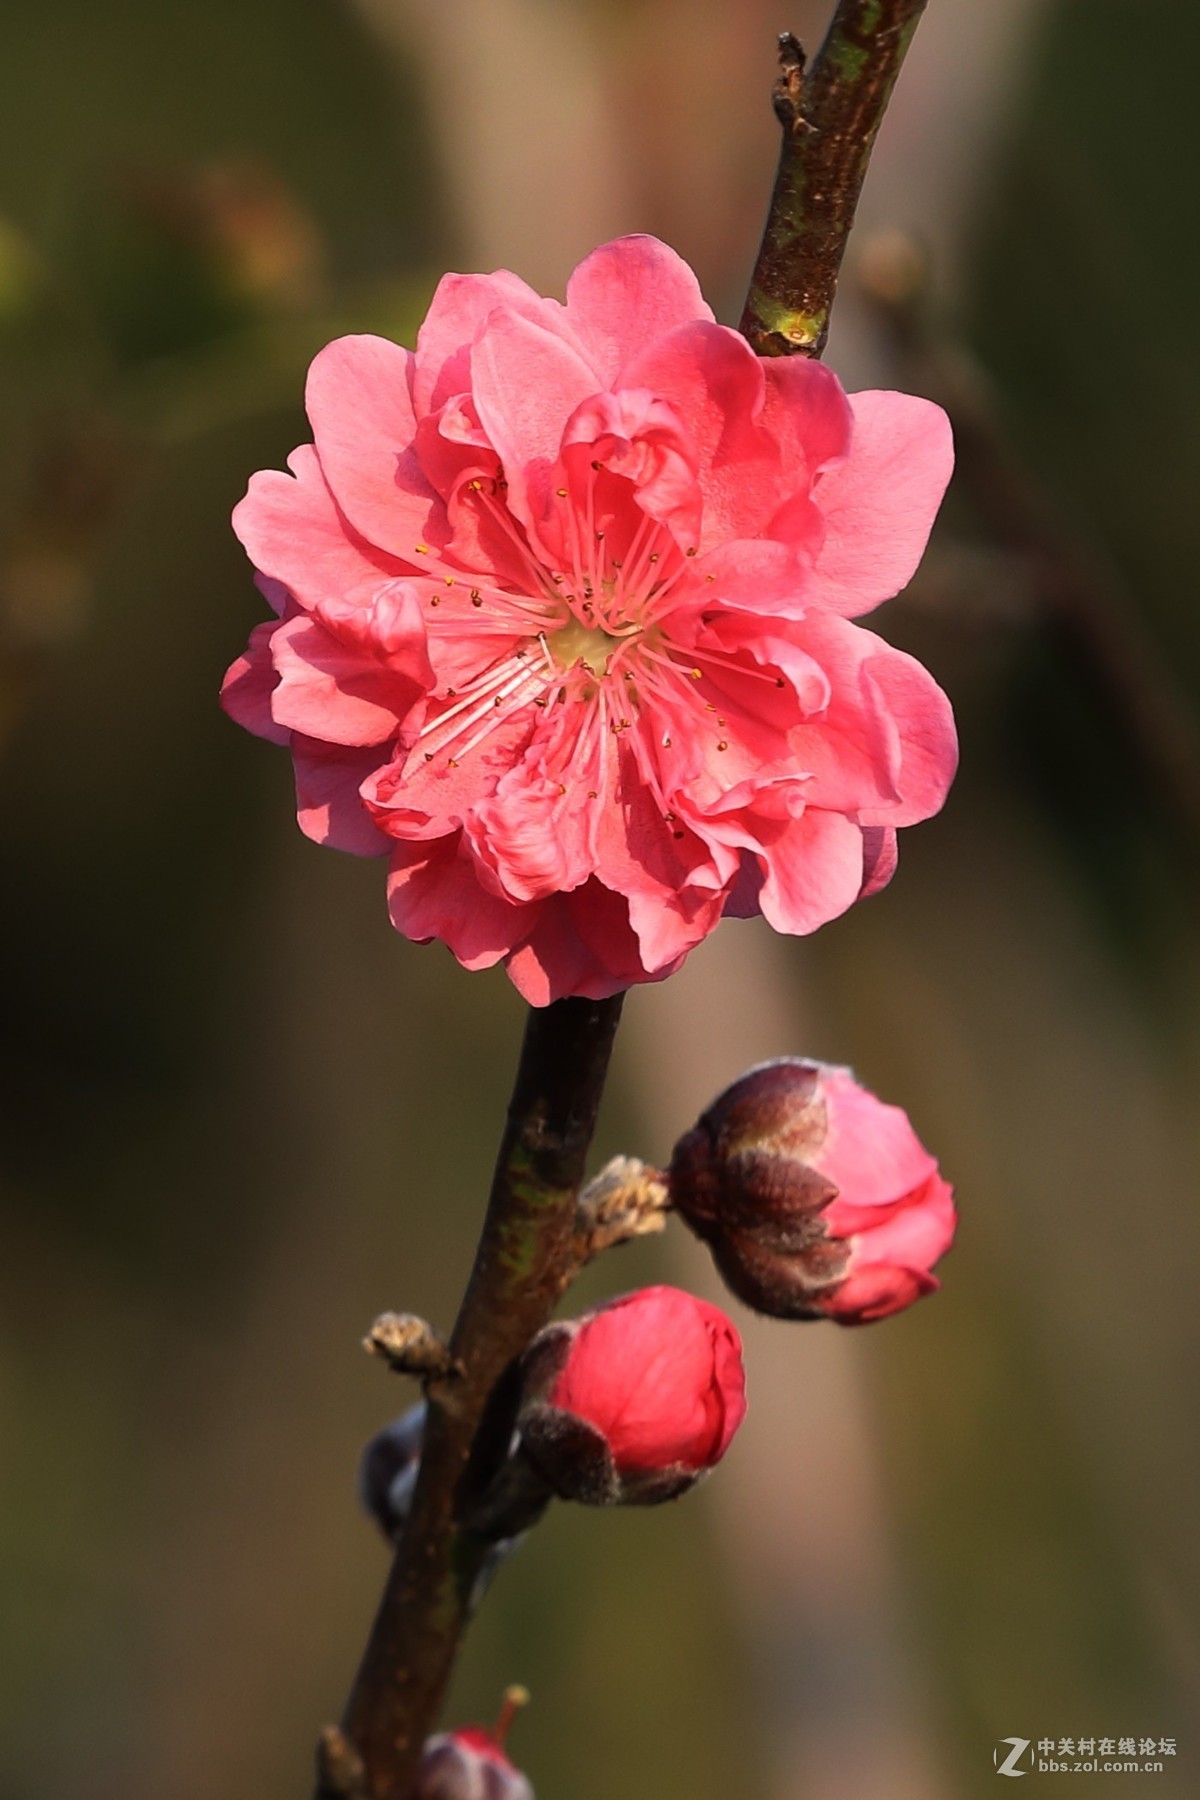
[{"x": 830, "y": 113}]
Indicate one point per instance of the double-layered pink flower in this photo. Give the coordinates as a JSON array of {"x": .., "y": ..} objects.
[{"x": 564, "y": 624}]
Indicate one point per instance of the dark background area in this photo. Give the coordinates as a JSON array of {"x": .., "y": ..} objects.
[{"x": 241, "y": 1116}]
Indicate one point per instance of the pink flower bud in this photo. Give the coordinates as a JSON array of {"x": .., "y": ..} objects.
[
  {"x": 634, "y": 1401},
  {"x": 816, "y": 1199},
  {"x": 468, "y": 1765}
]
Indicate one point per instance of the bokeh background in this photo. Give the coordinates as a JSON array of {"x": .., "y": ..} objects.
[{"x": 242, "y": 1116}]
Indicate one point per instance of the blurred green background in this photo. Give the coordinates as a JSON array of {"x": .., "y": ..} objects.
[{"x": 242, "y": 1116}]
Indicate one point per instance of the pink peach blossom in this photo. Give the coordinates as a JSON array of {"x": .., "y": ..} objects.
[
  {"x": 817, "y": 1199},
  {"x": 564, "y": 607}
]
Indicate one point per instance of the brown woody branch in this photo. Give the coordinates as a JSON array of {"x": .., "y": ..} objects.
[
  {"x": 830, "y": 114},
  {"x": 525, "y": 1257}
]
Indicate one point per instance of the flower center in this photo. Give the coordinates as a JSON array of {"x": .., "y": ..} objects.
[{"x": 576, "y": 643}]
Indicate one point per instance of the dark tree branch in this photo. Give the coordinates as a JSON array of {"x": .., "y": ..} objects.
[
  {"x": 525, "y": 1258},
  {"x": 830, "y": 114}
]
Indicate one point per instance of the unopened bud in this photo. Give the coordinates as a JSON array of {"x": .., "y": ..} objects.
[
  {"x": 387, "y": 1480},
  {"x": 635, "y": 1401},
  {"x": 816, "y": 1199},
  {"x": 470, "y": 1764},
  {"x": 387, "y": 1473}
]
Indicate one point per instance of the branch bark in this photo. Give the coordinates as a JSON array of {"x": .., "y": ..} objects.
[
  {"x": 830, "y": 115},
  {"x": 520, "y": 1270}
]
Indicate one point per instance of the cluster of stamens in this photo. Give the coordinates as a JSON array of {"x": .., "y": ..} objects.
[{"x": 593, "y": 635}]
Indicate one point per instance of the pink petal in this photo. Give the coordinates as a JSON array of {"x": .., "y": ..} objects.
[
  {"x": 527, "y": 382},
  {"x": 876, "y": 1292},
  {"x": 293, "y": 532},
  {"x": 660, "y": 1374},
  {"x": 360, "y": 405},
  {"x": 729, "y": 1379},
  {"x": 926, "y": 740},
  {"x": 329, "y": 806},
  {"x": 713, "y": 380},
  {"x": 881, "y": 856},
  {"x": 249, "y": 683},
  {"x": 870, "y": 1151},
  {"x": 582, "y": 944},
  {"x": 638, "y": 437},
  {"x": 884, "y": 749},
  {"x": 880, "y": 502},
  {"x": 534, "y": 837},
  {"x": 813, "y": 872},
  {"x": 420, "y": 795},
  {"x": 673, "y": 884},
  {"x": 460, "y": 306},
  {"x": 761, "y": 576},
  {"x": 807, "y": 411},
  {"x": 433, "y": 892},
  {"x": 668, "y": 927},
  {"x": 274, "y": 593},
  {"x": 625, "y": 294},
  {"x": 328, "y": 691},
  {"x": 912, "y": 1236}
]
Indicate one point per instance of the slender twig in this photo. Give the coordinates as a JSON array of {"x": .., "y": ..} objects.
[
  {"x": 520, "y": 1269},
  {"x": 830, "y": 114}
]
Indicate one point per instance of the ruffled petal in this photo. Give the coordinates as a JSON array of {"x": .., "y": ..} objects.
[
  {"x": 627, "y": 293},
  {"x": 879, "y": 502},
  {"x": 460, "y": 306},
  {"x": 582, "y": 944},
  {"x": 249, "y": 683},
  {"x": 533, "y": 835},
  {"x": 526, "y": 382},
  {"x": 710, "y": 376},
  {"x": 434, "y": 892},
  {"x": 807, "y": 412},
  {"x": 812, "y": 872},
  {"x": 293, "y": 532},
  {"x": 329, "y": 805},
  {"x": 884, "y": 748},
  {"x": 334, "y": 693},
  {"x": 360, "y": 405}
]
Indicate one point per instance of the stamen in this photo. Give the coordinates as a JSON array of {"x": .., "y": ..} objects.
[
  {"x": 504, "y": 519},
  {"x": 724, "y": 660},
  {"x": 517, "y": 701},
  {"x": 500, "y": 677}
]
